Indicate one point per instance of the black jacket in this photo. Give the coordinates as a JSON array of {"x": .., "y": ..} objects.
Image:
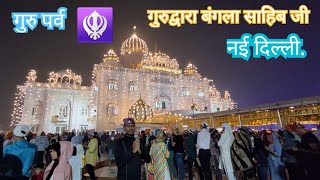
[{"x": 129, "y": 163}]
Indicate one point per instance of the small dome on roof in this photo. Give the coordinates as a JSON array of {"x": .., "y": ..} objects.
[
  {"x": 32, "y": 76},
  {"x": 110, "y": 56},
  {"x": 191, "y": 70},
  {"x": 160, "y": 61}
]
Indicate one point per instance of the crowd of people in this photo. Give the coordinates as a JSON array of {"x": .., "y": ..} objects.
[
  {"x": 24, "y": 155},
  {"x": 292, "y": 152}
]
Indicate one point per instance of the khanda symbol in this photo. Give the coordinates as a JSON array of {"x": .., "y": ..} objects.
[{"x": 95, "y": 25}]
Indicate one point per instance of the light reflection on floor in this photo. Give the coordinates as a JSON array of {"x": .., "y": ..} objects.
[{"x": 105, "y": 172}]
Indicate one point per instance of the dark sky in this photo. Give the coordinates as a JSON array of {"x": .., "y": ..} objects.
[{"x": 254, "y": 82}]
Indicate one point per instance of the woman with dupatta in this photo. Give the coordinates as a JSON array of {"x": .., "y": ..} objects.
[{"x": 159, "y": 155}]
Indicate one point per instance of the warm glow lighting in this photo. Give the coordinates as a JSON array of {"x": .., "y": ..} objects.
[{"x": 134, "y": 44}]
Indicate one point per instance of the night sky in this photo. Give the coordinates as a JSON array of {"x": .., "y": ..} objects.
[{"x": 254, "y": 82}]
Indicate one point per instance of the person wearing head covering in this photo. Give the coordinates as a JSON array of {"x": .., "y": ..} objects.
[
  {"x": 292, "y": 129},
  {"x": 159, "y": 155},
  {"x": 104, "y": 142},
  {"x": 171, "y": 162},
  {"x": 225, "y": 142},
  {"x": 21, "y": 148},
  {"x": 261, "y": 157},
  {"x": 91, "y": 154},
  {"x": 130, "y": 153},
  {"x": 242, "y": 153},
  {"x": 151, "y": 140},
  {"x": 215, "y": 154},
  {"x": 295, "y": 169},
  {"x": 274, "y": 159},
  {"x": 8, "y": 138},
  {"x": 59, "y": 168},
  {"x": 42, "y": 142},
  {"x": 203, "y": 150},
  {"x": 76, "y": 160},
  {"x": 177, "y": 144},
  {"x": 192, "y": 154}
]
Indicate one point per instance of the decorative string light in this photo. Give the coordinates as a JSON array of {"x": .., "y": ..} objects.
[
  {"x": 111, "y": 56},
  {"x": 160, "y": 62},
  {"x": 160, "y": 76},
  {"x": 18, "y": 106},
  {"x": 65, "y": 76},
  {"x": 190, "y": 69},
  {"x": 134, "y": 44},
  {"x": 141, "y": 111}
]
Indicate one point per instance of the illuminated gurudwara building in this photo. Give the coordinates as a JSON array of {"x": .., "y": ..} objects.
[{"x": 138, "y": 83}]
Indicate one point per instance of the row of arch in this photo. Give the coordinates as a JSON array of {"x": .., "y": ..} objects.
[
  {"x": 64, "y": 80},
  {"x": 161, "y": 102},
  {"x": 112, "y": 85},
  {"x": 133, "y": 86}
]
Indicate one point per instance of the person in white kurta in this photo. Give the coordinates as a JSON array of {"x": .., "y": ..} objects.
[
  {"x": 225, "y": 143},
  {"x": 76, "y": 161}
]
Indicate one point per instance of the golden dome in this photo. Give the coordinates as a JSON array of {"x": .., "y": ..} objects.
[
  {"x": 141, "y": 111},
  {"x": 110, "y": 56},
  {"x": 134, "y": 44},
  {"x": 160, "y": 61}
]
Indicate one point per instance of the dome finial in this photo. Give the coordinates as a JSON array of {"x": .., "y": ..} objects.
[{"x": 134, "y": 29}]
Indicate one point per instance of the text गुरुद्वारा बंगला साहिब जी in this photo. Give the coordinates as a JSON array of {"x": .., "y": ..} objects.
[{"x": 266, "y": 15}]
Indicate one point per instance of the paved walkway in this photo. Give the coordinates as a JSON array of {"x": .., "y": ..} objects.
[{"x": 103, "y": 170}]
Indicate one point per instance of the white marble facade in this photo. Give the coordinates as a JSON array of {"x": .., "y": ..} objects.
[{"x": 117, "y": 83}]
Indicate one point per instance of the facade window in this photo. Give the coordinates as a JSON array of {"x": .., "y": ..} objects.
[
  {"x": 57, "y": 129},
  {"x": 63, "y": 111},
  {"x": 84, "y": 111},
  {"x": 200, "y": 94},
  {"x": 112, "y": 109},
  {"x": 112, "y": 85},
  {"x": 83, "y": 128},
  {"x": 37, "y": 109},
  {"x": 60, "y": 129},
  {"x": 133, "y": 86},
  {"x": 161, "y": 105},
  {"x": 185, "y": 92},
  {"x": 93, "y": 111},
  {"x": 65, "y": 79}
]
